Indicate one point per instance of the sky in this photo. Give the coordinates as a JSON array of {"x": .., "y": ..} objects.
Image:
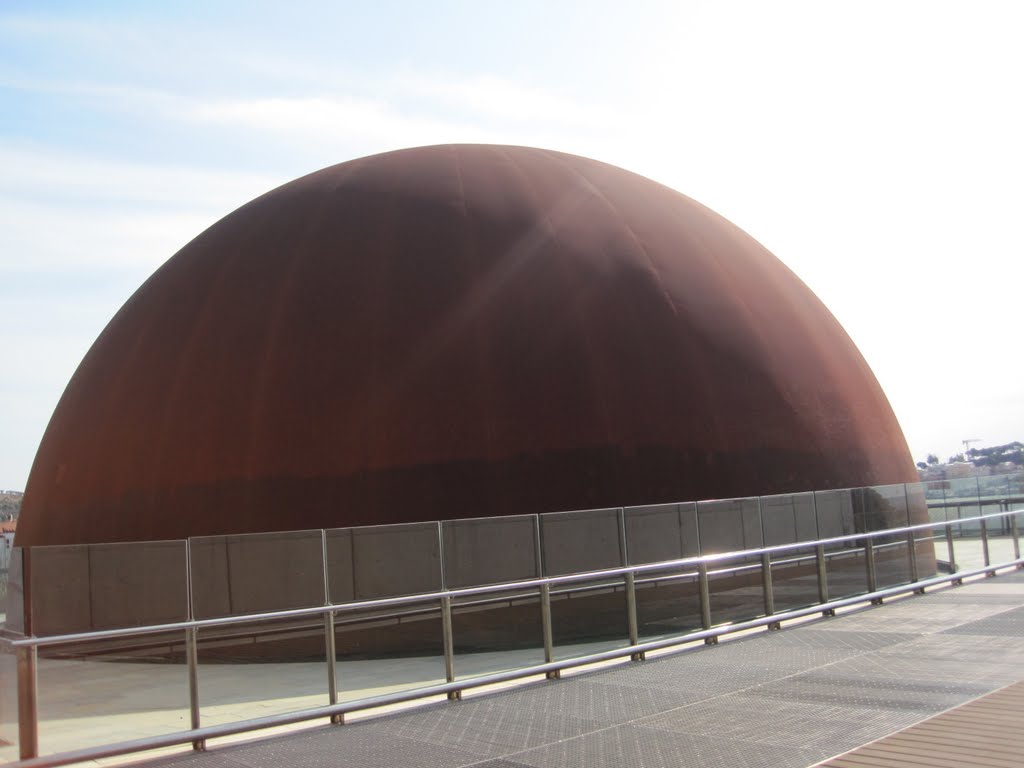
[{"x": 874, "y": 147}]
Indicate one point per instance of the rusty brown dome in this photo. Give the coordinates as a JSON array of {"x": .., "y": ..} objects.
[{"x": 455, "y": 331}]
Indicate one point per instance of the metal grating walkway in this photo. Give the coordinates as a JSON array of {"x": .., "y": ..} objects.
[{"x": 790, "y": 698}]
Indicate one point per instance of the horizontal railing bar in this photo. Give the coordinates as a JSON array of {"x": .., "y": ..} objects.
[
  {"x": 79, "y": 637},
  {"x": 291, "y": 718}
]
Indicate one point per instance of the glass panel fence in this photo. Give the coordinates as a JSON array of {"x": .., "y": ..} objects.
[
  {"x": 585, "y": 616},
  {"x": 926, "y": 540},
  {"x": 654, "y": 533},
  {"x": 386, "y": 649},
  {"x": 875, "y": 509},
  {"x": 497, "y": 632},
  {"x": 938, "y": 507},
  {"x": 994, "y": 493},
  {"x": 795, "y": 579},
  {"x": 252, "y": 573},
  {"x": 102, "y": 692},
  {"x": 728, "y": 525},
  {"x": 1015, "y": 483},
  {"x": 8, "y": 704},
  {"x": 589, "y": 617},
  {"x": 962, "y": 501},
  {"x": 834, "y": 514},
  {"x": 83, "y": 588},
  {"x": 846, "y": 571},
  {"x": 502, "y": 631},
  {"x": 240, "y": 663},
  {"x": 788, "y": 518},
  {"x": 91, "y": 587},
  {"x": 736, "y": 590},
  {"x": 575, "y": 542},
  {"x": 15, "y": 603},
  {"x": 667, "y": 602}
]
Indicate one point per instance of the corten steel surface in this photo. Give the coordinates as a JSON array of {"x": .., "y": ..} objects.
[{"x": 455, "y": 331}]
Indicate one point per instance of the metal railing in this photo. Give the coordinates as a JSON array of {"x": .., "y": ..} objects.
[{"x": 703, "y": 569}]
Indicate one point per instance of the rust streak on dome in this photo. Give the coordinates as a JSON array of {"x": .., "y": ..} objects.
[{"x": 455, "y": 331}]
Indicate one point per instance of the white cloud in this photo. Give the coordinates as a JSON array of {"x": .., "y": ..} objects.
[
  {"x": 318, "y": 117},
  {"x": 41, "y": 173}
]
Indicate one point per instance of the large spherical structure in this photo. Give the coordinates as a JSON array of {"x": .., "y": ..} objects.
[{"x": 455, "y": 331}]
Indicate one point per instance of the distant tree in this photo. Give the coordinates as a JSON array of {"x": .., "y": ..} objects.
[
  {"x": 998, "y": 454},
  {"x": 922, "y": 465},
  {"x": 956, "y": 458},
  {"x": 932, "y": 458}
]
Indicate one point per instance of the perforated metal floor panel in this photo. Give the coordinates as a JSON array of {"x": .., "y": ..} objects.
[{"x": 789, "y": 698}]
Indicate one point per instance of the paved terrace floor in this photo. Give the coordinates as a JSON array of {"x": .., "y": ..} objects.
[{"x": 791, "y": 698}]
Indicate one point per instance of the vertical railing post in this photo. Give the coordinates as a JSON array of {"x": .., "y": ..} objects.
[
  {"x": 872, "y": 573},
  {"x": 538, "y": 546},
  {"x": 911, "y": 539},
  {"x": 949, "y": 548},
  {"x": 330, "y": 645},
  {"x": 1014, "y": 531},
  {"x": 634, "y": 630},
  {"x": 192, "y": 652},
  {"x": 545, "y": 601},
  {"x": 819, "y": 557},
  {"x": 447, "y": 633},
  {"x": 705, "y": 600},
  {"x": 449, "y": 645},
  {"x": 28, "y": 702},
  {"x": 986, "y": 555},
  {"x": 192, "y": 661},
  {"x": 769, "y": 591},
  {"x": 630, "y": 579},
  {"x": 332, "y": 666},
  {"x": 545, "y": 624}
]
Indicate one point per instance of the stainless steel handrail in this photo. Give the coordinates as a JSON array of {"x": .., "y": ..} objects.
[{"x": 27, "y": 647}]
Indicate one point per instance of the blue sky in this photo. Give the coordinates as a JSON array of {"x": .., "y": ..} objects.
[{"x": 874, "y": 147}]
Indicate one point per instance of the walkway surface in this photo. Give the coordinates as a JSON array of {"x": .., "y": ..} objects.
[
  {"x": 791, "y": 698},
  {"x": 985, "y": 732}
]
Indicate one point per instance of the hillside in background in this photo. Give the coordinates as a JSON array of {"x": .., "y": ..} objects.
[{"x": 10, "y": 504}]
